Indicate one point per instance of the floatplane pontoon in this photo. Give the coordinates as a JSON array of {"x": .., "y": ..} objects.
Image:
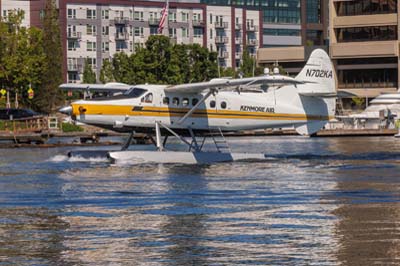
[{"x": 191, "y": 111}]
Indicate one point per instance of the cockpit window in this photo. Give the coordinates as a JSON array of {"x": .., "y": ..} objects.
[
  {"x": 134, "y": 92},
  {"x": 148, "y": 98}
]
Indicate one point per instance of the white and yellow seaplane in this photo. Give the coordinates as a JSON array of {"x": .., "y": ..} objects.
[{"x": 191, "y": 111}]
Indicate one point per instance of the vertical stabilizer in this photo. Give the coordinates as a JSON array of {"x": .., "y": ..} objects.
[{"x": 318, "y": 92}]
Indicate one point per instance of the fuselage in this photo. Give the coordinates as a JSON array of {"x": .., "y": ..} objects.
[{"x": 143, "y": 106}]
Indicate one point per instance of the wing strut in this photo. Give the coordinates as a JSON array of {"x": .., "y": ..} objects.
[{"x": 196, "y": 106}]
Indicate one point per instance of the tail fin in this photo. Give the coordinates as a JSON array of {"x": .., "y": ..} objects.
[
  {"x": 318, "y": 75},
  {"x": 318, "y": 92}
]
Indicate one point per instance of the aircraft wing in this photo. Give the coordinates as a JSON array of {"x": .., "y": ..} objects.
[
  {"x": 109, "y": 87},
  {"x": 221, "y": 83}
]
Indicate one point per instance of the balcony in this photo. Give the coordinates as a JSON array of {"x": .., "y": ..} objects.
[
  {"x": 74, "y": 67},
  {"x": 238, "y": 40},
  {"x": 198, "y": 23},
  {"x": 238, "y": 55},
  {"x": 154, "y": 22},
  {"x": 238, "y": 27},
  {"x": 221, "y": 40},
  {"x": 252, "y": 28},
  {"x": 121, "y": 36},
  {"x": 252, "y": 42},
  {"x": 223, "y": 55},
  {"x": 74, "y": 35},
  {"x": 121, "y": 20},
  {"x": 221, "y": 25}
]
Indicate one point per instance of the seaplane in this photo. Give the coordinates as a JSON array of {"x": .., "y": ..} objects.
[{"x": 195, "y": 111}]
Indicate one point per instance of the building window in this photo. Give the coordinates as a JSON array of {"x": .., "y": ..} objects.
[
  {"x": 120, "y": 46},
  {"x": 72, "y": 44},
  {"x": 172, "y": 17},
  {"x": 314, "y": 37},
  {"x": 313, "y": 9},
  {"x": 90, "y": 46},
  {"x": 184, "y": 33},
  {"x": 365, "y": 7},
  {"x": 153, "y": 30},
  {"x": 91, "y": 30},
  {"x": 105, "y": 14},
  {"x": 172, "y": 32},
  {"x": 71, "y": 13},
  {"x": 91, "y": 14},
  {"x": 91, "y": 62},
  {"x": 367, "y": 78},
  {"x": 105, "y": 46},
  {"x": 287, "y": 11},
  {"x": 198, "y": 32},
  {"x": 105, "y": 30},
  {"x": 281, "y": 32},
  {"x": 72, "y": 77},
  {"x": 138, "y": 16},
  {"x": 185, "y": 17},
  {"x": 360, "y": 34},
  {"x": 139, "y": 31}
]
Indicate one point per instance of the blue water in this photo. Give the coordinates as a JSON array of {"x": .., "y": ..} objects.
[{"x": 314, "y": 201}]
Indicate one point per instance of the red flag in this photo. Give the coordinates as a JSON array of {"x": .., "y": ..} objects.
[{"x": 164, "y": 17}]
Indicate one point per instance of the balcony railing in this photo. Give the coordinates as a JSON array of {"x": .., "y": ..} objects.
[
  {"x": 238, "y": 26},
  {"x": 121, "y": 36},
  {"x": 221, "y": 39},
  {"x": 154, "y": 21},
  {"x": 198, "y": 23},
  {"x": 74, "y": 35},
  {"x": 223, "y": 55},
  {"x": 252, "y": 28},
  {"x": 74, "y": 67},
  {"x": 121, "y": 20},
  {"x": 221, "y": 25},
  {"x": 252, "y": 42},
  {"x": 238, "y": 55},
  {"x": 238, "y": 40}
]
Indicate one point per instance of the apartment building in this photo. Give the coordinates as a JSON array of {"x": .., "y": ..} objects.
[
  {"x": 33, "y": 10},
  {"x": 364, "y": 46}
]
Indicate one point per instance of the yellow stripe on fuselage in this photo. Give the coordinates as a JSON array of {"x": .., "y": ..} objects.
[{"x": 117, "y": 110}]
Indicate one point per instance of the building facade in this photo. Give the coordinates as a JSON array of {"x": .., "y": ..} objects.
[
  {"x": 364, "y": 46},
  {"x": 292, "y": 30},
  {"x": 96, "y": 30}
]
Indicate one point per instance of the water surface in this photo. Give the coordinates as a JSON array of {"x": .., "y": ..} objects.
[{"x": 314, "y": 201}]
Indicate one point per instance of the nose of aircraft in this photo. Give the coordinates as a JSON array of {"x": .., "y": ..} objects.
[{"x": 66, "y": 110}]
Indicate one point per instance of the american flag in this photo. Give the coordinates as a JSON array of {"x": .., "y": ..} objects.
[{"x": 164, "y": 17}]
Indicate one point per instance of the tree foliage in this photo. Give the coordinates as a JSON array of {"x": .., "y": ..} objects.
[
  {"x": 49, "y": 96},
  {"x": 22, "y": 57},
  {"x": 160, "y": 62},
  {"x": 88, "y": 74}
]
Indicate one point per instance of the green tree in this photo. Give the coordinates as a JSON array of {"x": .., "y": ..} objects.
[
  {"x": 21, "y": 56},
  {"x": 49, "y": 97},
  {"x": 107, "y": 72},
  {"x": 88, "y": 74}
]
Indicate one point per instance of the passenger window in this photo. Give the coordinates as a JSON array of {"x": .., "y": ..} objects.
[
  {"x": 223, "y": 105},
  {"x": 195, "y": 101},
  {"x": 148, "y": 98},
  {"x": 166, "y": 100},
  {"x": 212, "y": 104},
  {"x": 175, "y": 101},
  {"x": 185, "y": 102}
]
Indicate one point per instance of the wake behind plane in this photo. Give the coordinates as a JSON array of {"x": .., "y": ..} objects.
[{"x": 305, "y": 102}]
